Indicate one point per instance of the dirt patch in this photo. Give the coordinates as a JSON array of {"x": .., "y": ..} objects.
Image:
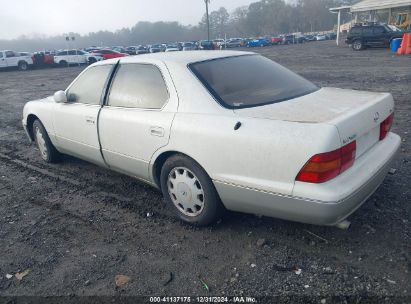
[{"x": 76, "y": 226}]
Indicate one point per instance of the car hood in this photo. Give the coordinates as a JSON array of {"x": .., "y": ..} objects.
[{"x": 323, "y": 105}]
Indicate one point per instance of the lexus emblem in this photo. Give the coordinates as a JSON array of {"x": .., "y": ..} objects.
[{"x": 376, "y": 116}]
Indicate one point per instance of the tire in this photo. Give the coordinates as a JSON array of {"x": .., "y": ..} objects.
[
  {"x": 181, "y": 179},
  {"x": 92, "y": 60},
  {"x": 47, "y": 151},
  {"x": 23, "y": 66},
  {"x": 357, "y": 45},
  {"x": 63, "y": 64}
]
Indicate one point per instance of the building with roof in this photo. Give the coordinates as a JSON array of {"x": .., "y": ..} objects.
[{"x": 394, "y": 12}]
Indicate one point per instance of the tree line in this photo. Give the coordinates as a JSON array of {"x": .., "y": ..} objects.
[{"x": 261, "y": 18}]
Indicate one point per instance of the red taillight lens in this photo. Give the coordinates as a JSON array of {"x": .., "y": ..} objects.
[
  {"x": 326, "y": 166},
  {"x": 385, "y": 126}
]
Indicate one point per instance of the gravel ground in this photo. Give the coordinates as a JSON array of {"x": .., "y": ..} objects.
[{"x": 75, "y": 226}]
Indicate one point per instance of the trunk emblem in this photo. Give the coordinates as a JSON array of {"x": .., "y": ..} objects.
[{"x": 376, "y": 116}]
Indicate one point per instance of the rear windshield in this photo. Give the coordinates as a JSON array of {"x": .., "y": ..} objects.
[{"x": 250, "y": 81}]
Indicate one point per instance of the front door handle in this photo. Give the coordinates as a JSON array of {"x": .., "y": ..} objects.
[
  {"x": 90, "y": 120},
  {"x": 157, "y": 131}
]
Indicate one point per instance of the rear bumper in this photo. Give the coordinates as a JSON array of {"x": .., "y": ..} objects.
[{"x": 324, "y": 204}]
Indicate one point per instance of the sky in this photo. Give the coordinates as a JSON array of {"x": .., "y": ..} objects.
[{"x": 55, "y": 17}]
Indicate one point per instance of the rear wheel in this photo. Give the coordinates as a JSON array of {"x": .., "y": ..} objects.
[
  {"x": 188, "y": 189},
  {"x": 63, "y": 64},
  {"x": 47, "y": 151},
  {"x": 92, "y": 60},
  {"x": 23, "y": 66},
  {"x": 357, "y": 45}
]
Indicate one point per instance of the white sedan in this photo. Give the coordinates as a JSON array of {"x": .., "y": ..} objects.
[
  {"x": 69, "y": 57},
  {"x": 223, "y": 130}
]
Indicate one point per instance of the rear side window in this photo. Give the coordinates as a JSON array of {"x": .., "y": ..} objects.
[
  {"x": 367, "y": 31},
  {"x": 138, "y": 86},
  {"x": 88, "y": 88},
  {"x": 355, "y": 31},
  {"x": 250, "y": 81}
]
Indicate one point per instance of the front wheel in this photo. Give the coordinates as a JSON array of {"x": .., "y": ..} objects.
[
  {"x": 47, "y": 151},
  {"x": 357, "y": 45},
  {"x": 188, "y": 189}
]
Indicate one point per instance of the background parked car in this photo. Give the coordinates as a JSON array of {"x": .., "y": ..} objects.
[
  {"x": 371, "y": 35},
  {"x": 172, "y": 48},
  {"x": 141, "y": 49},
  {"x": 261, "y": 42},
  {"x": 155, "y": 48},
  {"x": 189, "y": 46},
  {"x": 217, "y": 43},
  {"x": 233, "y": 43},
  {"x": 310, "y": 38},
  {"x": 288, "y": 39},
  {"x": 71, "y": 57},
  {"x": 9, "y": 59},
  {"x": 276, "y": 40},
  {"x": 41, "y": 59},
  {"x": 321, "y": 37},
  {"x": 206, "y": 45},
  {"x": 108, "y": 54}
]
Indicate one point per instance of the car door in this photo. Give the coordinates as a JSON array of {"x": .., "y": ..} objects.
[
  {"x": 368, "y": 36},
  {"x": 75, "y": 122},
  {"x": 137, "y": 118},
  {"x": 3, "y": 62},
  {"x": 73, "y": 57},
  {"x": 381, "y": 36},
  {"x": 11, "y": 58}
]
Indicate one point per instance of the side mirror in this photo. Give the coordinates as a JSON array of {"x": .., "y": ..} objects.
[{"x": 60, "y": 97}]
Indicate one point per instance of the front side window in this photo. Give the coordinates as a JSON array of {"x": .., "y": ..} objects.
[
  {"x": 1, "y": 55},
  {"x": 64, "y": 53},
  {"x": 88, "y": 88},
  {"x": 250, "y": 81},
  {"x": 138, "y": 86},
  {"x": 379, "y": 30}
]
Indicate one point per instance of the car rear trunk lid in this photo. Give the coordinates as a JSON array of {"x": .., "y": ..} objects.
[{"x": 356, "y": 114}]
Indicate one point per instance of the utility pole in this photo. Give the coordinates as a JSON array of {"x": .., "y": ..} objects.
[{"x": 208, "y": 19}]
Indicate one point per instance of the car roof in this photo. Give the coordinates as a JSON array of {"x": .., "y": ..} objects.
[{"x": 179, "y": 58}]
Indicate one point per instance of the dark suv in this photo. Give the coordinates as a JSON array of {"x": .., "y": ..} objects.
[{"x": 371, "y": 35}]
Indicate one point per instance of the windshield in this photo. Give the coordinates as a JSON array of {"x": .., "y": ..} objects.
[
  {"x": 393, "y": 28},
  {"x": 250, "y": 81}
]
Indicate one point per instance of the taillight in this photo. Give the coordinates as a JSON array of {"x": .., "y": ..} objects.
[
  {"x": 385, "y": 126},
  {"x": 326, "y": 166}
]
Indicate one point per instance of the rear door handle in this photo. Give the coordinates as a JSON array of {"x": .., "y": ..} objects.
[{"x": 157, "y": 131}]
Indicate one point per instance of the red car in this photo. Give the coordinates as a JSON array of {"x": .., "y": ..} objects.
[
  {"x": 109, "y": 54},
  {"x": 276, "y": 40}
]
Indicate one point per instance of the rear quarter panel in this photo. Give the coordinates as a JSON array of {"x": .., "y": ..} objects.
[{"x": 263, "y": 154}]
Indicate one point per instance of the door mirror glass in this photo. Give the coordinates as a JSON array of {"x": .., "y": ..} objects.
[{"x": 60, "y": 97}]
